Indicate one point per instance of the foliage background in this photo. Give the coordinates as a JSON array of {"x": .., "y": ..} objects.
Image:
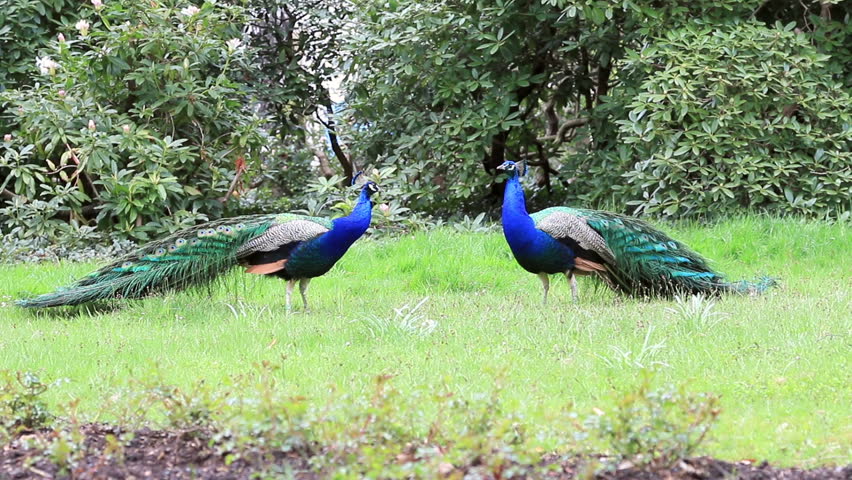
[{"x": 131, "y": 119}]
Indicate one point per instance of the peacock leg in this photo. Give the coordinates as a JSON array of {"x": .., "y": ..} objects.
[
  {"x": 290, "y": 285},
  {"x": 573, "y": 279},
  {"x": 303, "y": 289},
  {"x": 545, "y": 282}
]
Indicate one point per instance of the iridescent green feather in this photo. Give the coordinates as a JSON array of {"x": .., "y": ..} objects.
[
  {"x": 191, "y": 257},
  {"x": 649, "y": 262}
]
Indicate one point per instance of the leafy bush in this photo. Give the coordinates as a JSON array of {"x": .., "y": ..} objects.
[
  {"x": 26, "y": 26},
  {"x": 21, "y": 405},
  {"x": 731, "y": 117},
  {"x": 138, "y": 122},
  {"x": 655, "y": 427}
]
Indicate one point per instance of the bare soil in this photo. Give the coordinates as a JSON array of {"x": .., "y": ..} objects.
[{"x": 163, "y": 454}]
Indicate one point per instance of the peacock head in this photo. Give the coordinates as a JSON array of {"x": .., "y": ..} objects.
[
  {"x": 370, "y": 188},
  {"x": 512, "y": 168}
]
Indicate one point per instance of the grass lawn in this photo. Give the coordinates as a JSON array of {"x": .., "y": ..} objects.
[{"x": 781, "y": 363}]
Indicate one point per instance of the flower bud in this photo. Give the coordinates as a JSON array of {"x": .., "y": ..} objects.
[
  {"x": 7, "y": 137},
  {"x": 46, "y": 65},
  {"x": 61, "y": 93},
  {"x": 190, "y": 10},
  {"x": 126, "y": 128},
  {"x": 233, "y": 44},
  {"x": 82, "y": 26},
  {"x": 61, "y": 38},
  {"x": 92, "y": 125},
  {"x": 98, "y": 4}
]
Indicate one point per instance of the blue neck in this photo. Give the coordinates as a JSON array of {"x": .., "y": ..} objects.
[
  {"x": 346, "y": 230},
  {"x": 515, "y": 214},
  {"x": 534, "y": 250}
]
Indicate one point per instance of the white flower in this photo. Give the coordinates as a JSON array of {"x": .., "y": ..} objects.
[
  {"x": 233, "y": 44},
  {"x": 92, "y": 126},
  {"x": 82, "y": 27},
  {"x": 98, "y": 4},
  {"x": 126, "y": 128},
  {"x": 385, "y": 208},
  {"x": 190, "y": 10},
  {"x": 61, "y": 38},
  {"x": 46, "y": 65},
  {"x": 61, "y": 93},
  {"x": 7, "y": 137}
]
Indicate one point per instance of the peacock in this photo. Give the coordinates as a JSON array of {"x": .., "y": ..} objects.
[
  {"x": 627, "y": 254},
  {"x": 290, "y": 246}
]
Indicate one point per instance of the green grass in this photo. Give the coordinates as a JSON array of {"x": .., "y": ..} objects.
[{"x": 780, "y": 362}]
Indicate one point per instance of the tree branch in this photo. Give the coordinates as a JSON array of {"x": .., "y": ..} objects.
[
  {"x": 7, "y": 194},
  {"x": 559, "y": 137},
  {"x": 347, "y": 164},
  {"x": 324, "y": 166}
]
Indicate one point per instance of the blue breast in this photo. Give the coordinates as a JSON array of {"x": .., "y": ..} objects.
[
  {"x": 311, "y": 259},
  {"x": 535, "y": 251},
  {"x": 538, "y": 252},
  {"x": 316, "y": 256}
]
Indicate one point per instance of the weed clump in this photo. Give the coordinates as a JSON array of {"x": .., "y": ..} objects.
[
  {"x": 21, "y": 404},
  {"x": 655, "y": 427}
]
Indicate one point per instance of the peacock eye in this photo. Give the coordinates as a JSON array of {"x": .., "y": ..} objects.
[
  {"x": 126, "y": 264},
  {"x": 160, "y": 251},
  {"x": 180, "y": 242},
  {"x": 194, "y": 241},
  {"x": 220, "y": 228},
  {"x": 240, "y": 226},
  {"x": 172, "y": 248}
]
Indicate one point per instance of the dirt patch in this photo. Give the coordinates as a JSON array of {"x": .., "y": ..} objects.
[
  {"x": 108, "y": 452},
  {"x": 103, "y": 452}
]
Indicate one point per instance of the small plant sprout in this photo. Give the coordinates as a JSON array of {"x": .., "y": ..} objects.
[
  {"x": 643, "y": 358},
  {"x": 695, "y": 313},
  {"x": 242, "y": 309},
  {"x": 406, "y": 320},
  {"x": 477, "y": 224}
]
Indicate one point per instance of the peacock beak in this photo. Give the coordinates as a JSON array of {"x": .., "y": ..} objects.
[{"x": 501, "y": 167}]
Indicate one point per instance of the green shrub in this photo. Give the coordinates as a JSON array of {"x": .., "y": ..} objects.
[
  {"x": 26, "y": 27},
  {"x": 731, "y": 117},
  {"x": 655, "y": 427},
  {"x": 139, "y": 120},
  {"x": 21, "y": 405}
]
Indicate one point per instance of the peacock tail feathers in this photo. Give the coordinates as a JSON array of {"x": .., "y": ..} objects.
[
  {"x": 648, "y": 262},
  {"x": 190, "y": 257}
]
